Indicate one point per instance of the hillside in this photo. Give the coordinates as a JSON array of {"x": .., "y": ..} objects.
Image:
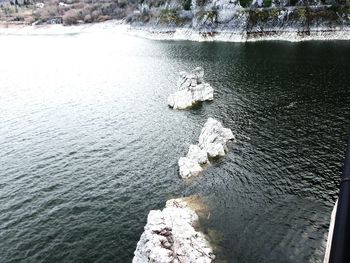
[
  {"x": 243, "y": 18},
  {"x": 67, "y": 12}
]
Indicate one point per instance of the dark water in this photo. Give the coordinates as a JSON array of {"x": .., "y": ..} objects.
[{"x": 89, "y": 146}]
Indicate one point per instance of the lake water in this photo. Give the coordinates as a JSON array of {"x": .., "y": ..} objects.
[{"x": 89, "y": 146}]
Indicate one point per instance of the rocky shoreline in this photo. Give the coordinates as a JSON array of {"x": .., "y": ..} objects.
[
  {"x": 180, "y": 33},
  {"x": 195, "y": 20},
  {"x": 290, "y": 35}
]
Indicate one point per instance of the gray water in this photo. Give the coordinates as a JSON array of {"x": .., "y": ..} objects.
[{"x": 89, "y": 146}]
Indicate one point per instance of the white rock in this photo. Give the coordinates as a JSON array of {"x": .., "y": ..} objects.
[
  {"x": 224, "y": 4},
  {"x": 207, "y": 92},
  {"x": 169, "y": 236},
  {"x": 191, "y": 89},
  {"x": 228, "y": 134},
  {"x": 189, "y": 167},
  {"x": 63, "y": 4},
  {"x": 214, "y": 132},
  {"x": 181, "y": 99},
  {"x": 215, "y": 150},
  {"x": 39, "y": 5},
  {"x": 212, "y": 143},
  {"x": 197, "y": 154}
]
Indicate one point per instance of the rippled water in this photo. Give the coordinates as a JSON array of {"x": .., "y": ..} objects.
[{"x": 89, "y": 146}]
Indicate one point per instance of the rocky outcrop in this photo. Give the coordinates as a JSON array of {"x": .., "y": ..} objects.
[
  {"x": 191, "y": 89},
  {"x": 237, "y": 21},
  {"x": 170, "y": 236},
  {"x": 212, "y": 144}
]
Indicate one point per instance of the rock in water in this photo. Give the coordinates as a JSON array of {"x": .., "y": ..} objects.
[
  {"x": 214, "y": 136},
  {"x": 189, "y": 167},
  {"x": 170, "y": 237},
  {"x": 212, "y": 143},
  {"x": 191, "y": 89}
]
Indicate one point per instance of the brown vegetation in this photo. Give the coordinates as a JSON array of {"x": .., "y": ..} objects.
[{"x": 68, "y": 12}]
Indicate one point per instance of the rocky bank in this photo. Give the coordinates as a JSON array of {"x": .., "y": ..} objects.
[
  {"x": 198, "y": 20},
  {"x": 233, "y": 20}
]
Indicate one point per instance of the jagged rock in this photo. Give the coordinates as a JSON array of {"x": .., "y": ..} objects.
[
  {"x": 212, "y": 144},
  {"x": 215, "y": 150},
  {"x": 170, "y": 237},
  {"x": 189, "y": 167},
  {"x": 223, "y": 4},
  {"x": 197, "y": 154},
  {"x": 191, "y": 164},
  {"x": 191, "y": 89},
  {"x": 63, "y": 4},
  {"x": 214, "y": 133},
  {"x": 257, "y": 3}
]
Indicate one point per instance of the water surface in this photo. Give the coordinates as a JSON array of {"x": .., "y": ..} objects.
[{"x": 89, "y": 146}]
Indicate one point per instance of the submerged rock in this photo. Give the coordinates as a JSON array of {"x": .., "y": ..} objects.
[
  {"x": 212, "y": 144},
  {"x": 170, "y": 236},
  {"x": 191, "y": 89}
]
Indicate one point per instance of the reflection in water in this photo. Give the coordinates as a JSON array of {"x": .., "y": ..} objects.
[{"x": 89, "y": 145}]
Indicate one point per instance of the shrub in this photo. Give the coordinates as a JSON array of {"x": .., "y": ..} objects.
[
  {"x": 156, "y": 3},
  {"x": 186, "y": 4},
  {"x": 293, "y": 2},
  {"x": 267, "y": 3},
  {"x": 87, "y": 19},
  {"x": 274, "y": 13},
  {"x": 29, "y": 20},
  {"x": 71, "y": 1},
  {"x": 301, "y": 13},
  {"x": 245, "y": 3},
  {"x": 119, "y": 13},
  {"x": 141, "y": 17},
  {"x": 18, "y": 18},
  {"x": 95, "y": 14},
  {"x": 83, "y": 10},
  {"x": 258, "y": 15},
  {"x": 71, "y": 17},
  {"x": 209, "y": 15},
  {"x": 200, "y": 2},
  {"x": 169, "y": 16},
  {"x": 103, "y": 18}
]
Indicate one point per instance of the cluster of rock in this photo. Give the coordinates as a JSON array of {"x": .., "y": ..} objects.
[
  {"x": 212, "y": 144},
  {"x": 191, "y": 89},
  {"x": 170, "y": 236}
]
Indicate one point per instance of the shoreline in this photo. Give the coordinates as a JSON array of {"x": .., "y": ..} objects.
[
  {"x": 190, "y": 34},
  {"x": 179, "y": 33}
]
